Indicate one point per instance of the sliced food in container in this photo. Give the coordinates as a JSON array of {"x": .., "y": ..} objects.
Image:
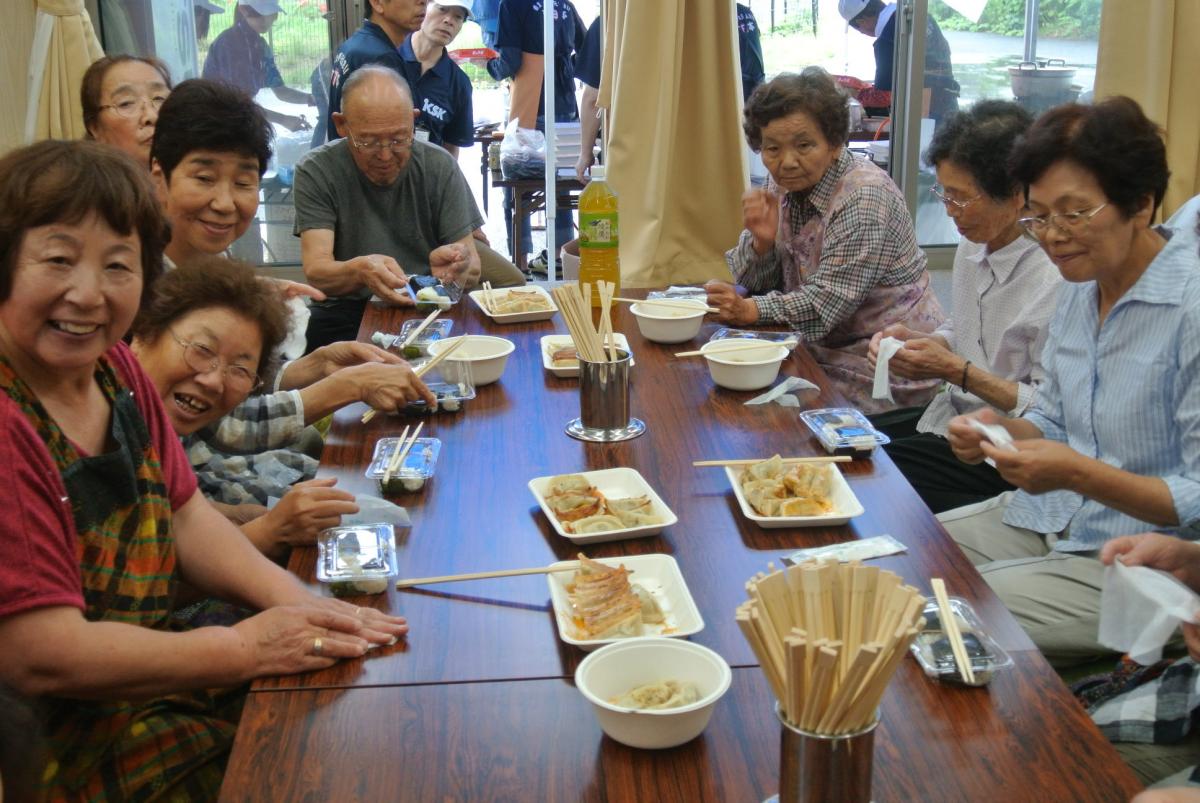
[
  {"x": 357, "y": 559},
  {"x": 419, "y": 348},
  {"x": 411, "y": 475}
]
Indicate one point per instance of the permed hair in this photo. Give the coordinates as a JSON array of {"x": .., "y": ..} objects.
[
  {"x": 202, "y": 115},
  {"x": 979, "y": 141},
  {"x": 812, "y": 92},
  {"x": 209, "y": 282},
  {"x": 1113, "y": 140},
  {"x": 56, "y": 181},
  {"x": 93, "y": 84}
]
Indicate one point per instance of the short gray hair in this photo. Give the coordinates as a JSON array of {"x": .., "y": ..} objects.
[{"x": 364, "y": 75}]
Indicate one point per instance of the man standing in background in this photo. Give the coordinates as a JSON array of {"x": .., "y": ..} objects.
[{"x": 750, "y": 49}]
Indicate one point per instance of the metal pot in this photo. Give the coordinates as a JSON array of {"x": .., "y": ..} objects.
[{"x": 1043, "y": 77}]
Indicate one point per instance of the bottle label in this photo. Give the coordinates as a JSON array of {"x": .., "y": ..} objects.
[{"x": 598, "y": 229}]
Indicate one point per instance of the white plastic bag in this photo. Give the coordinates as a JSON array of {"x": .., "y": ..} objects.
[
  {"x": 522, "y": 152},
  {"x": 1140, "y": 608}
]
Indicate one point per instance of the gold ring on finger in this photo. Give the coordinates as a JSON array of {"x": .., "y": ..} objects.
[{"x": 318, "y": 646}]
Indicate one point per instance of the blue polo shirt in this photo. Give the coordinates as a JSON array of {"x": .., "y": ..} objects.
[
  {"x": 520, "y": 31},
  {"x": 368, "y": 45},
  {"x": 242, "y": 58},
  {"x": 443, "y": 96},
  {"x": 750, "y": 50}
]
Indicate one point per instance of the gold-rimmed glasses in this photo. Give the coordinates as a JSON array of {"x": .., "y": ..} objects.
[
  {"x": 1066, "y": 222},
  {"x": 939, "y": 192},
  {"x": 398, "y": 145},
  {"x": 129, "y": 106}
]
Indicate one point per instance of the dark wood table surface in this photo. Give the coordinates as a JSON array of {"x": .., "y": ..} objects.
[{"x": 481, "y": 692}]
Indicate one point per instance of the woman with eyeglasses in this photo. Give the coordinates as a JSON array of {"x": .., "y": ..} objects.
[
  {"x": 989, "y": 353},
  {"x": 204, "y": 339},
  {"x": 103, "y": 517},
  {"x": 829, "y": 248},
  {"x": 121, "y": 96},
  {"x": 1111, "y": 444}
]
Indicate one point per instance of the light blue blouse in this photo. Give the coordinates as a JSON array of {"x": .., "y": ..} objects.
[{"x": 1126, "y": 392}]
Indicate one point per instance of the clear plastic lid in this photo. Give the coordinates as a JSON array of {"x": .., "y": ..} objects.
[
  {"x": 450, "y": 381},
  {"x": 419, "y": 463},
  {"x": 725, "y": 333},
  {"x": 844, "y": 429},
  {"x": 932, "y": 648},
  {"x": 435, "y": 331},
  {"x": 357, "y": 553},
  {"x": 686, "y": 292}
]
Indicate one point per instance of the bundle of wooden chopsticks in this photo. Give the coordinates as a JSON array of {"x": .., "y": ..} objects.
[
  {"x": 829, "y": 636},
  {"x": 403, "y": 447},
  {"x": 575, "y": 301},
  {"x": 425, "y": 368}
]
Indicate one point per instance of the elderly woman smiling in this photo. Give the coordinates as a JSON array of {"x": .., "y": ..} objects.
[
  {"x": 829, "y": 248},
  {"x": 205, "y": 338},
  {"x": 104, "y": 518}
]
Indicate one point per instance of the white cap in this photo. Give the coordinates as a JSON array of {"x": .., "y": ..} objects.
[
  {"x": 211, "y": 8},
  {"x": 463, "y": 4},
  {"x": 264, "y": 7},
  {"x": 849, "y": 9},
  {"x": 597, "y": 171}
]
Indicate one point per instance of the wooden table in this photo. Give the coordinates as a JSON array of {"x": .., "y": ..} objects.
[{"x": 478, "y": 704}]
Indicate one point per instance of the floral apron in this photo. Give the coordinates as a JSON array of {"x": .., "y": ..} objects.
[
  {"x": 843, "y": 352},
  {"x": 172, "y": 748}
]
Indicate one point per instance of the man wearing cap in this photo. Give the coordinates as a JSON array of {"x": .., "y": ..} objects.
[
  {"x": 441, "y": 90},
  {"x": 877, "y": 19},
  {"x": 377, "y": 41},
  {"x": 240, "y": 56},
  {"x": 204, "y": 10}
]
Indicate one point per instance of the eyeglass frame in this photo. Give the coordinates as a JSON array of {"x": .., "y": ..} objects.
[
  {"x": 139, "y": 101},
  {"x": 215, "y": 362},
  {"x": 376, "y": 147},
  {"x": 1066, "y": 222},
  {"x": 948, "y": 201}
]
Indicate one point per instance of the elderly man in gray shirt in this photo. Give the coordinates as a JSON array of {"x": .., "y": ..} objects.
[{"x": 376, "y": 207}]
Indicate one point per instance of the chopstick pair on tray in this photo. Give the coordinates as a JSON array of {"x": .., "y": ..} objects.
[
  {"x": 403, "y": 447},
  {"x": 424, "y": 369}
]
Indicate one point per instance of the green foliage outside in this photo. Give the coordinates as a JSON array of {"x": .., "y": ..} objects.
[{"x": 1057, "y": 19}]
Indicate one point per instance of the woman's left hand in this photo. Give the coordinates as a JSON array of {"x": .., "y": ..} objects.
[
  {"x": 376, "y": 627},
  {"x": 926, "y": 358},
  {"x": 1038, "y": 465},
  {"x": 733, "y": 308}
]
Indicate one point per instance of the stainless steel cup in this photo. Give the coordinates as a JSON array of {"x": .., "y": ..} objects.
[
  {"x": 814, "y": 768},
  {"x": 604, "y": 393}
]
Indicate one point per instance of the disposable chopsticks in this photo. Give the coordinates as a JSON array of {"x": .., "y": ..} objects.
[
  {"x": 668, "y": 302},
  {"x": 415, "y": 333},
  {"x": 451, "y": 578},
  {"x": 403, "y": 447},
  {"x": 841, "y": 458},
  {"x": 489, "y": 298},
  {"x": 424, "y": 369},
  {"x": 574, "y": 301},
  {"x": 950, "y": 628},
  {"x": 739, "y": 345}
]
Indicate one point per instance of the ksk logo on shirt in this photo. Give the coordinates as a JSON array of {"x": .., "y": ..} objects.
[{"x": 433, "y": 110}]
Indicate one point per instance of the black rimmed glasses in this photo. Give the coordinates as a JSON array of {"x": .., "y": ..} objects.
[
  {"x": 399, "y": 145},
  {"x": 1067, "y": 222},
  {"x": 129, "y": 106},
  {"x": 201, "y": 359},
  {"x": 939, "y": 192}
]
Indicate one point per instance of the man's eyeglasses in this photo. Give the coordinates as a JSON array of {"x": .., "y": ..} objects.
[
  {"x": 939, "y": 192},
  {"x": 202, "y": 359},
  {"x": 1066, "y": 222},
  {"x": 130, "y": 106},
  {"x": 399, "y": 145}
]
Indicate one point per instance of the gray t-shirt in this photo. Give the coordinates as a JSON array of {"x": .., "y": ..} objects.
[{"x": 429, "y": 205}]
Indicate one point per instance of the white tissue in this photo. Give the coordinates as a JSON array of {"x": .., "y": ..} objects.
[
  {"x": 373, "y": 510},
  {"x": 293, "y": 345},
  {"x": 1140, "y": 608},
  {"x": 995, "y": 433},
  {"x": 887, "y": 349},
  {"x": 781, "y": 394}
]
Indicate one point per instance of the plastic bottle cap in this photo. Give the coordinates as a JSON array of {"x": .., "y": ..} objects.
[{"x": 597, "y": 171}]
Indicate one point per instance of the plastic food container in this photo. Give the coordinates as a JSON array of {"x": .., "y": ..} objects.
[
  {"x": 668, "y": 324},
  {"x": 613, "y": 671},
  {"x": 750, "y": 368},
  {"x": 451, "y": 383},
  {"x": 725, "y": 333},
  {"x": 680, "y": 292},
  {"x": 411, "y": 474},
  {"x": 419, "y": 348},
  {"x": 844, "y": 430},
  {"x": 932, "y": 649},
  {"x": 359, "y": 559},
  {"x": 484, "y": 355}
]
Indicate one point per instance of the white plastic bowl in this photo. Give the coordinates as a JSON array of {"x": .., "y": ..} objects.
[
  {"x": 617, "y": 668},
  {"x": 748, "y": 368},
  {"x": 666, "y": 324},
  {"x": 486, "y": 355}
]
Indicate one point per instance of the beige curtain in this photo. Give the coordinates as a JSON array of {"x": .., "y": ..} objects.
[
  {"x": 1148, "y": 52},
  {"x": 64, "y": 45},
  {"x": 675, "y": 150}
]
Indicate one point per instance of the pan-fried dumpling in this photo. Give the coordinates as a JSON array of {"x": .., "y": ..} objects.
[
  {"x": 568, "y": 482},
  {"x": 801, "y": 506},
  {"x": 594, "y": 524},
  {"x": 574, "y": 505},
  {"x": 637, "y": 518},
  {"x": 651, "y": 612},
  {"x": 811, "y": 481},
  {"x": 631, "y": 504},
  {"x": 764, "y": 470}
]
